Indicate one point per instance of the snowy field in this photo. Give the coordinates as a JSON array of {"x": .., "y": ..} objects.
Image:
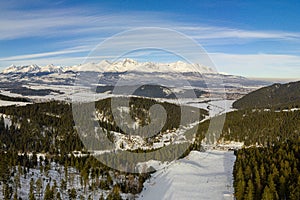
[
  {"x": 10, "y": 103},
  {"x": 201, "y": 175},
  {"x": 215, "y": 106}
]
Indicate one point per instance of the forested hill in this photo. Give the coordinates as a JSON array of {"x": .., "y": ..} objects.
[
  {"x": 31, "y": 127},
  {"x": 8, "y": 98},
  {"x": 274, "y": 96}
]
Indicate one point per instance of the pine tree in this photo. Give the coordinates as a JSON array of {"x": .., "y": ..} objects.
[
  {"x": 63, "y": 186},
  {"x": 48, "y": 193},
  {"x": 257, "y": 182},
  {"x": 31, "y": 196},
  {"x": 249, "y": 191},
  {"x": 4, "y": 168},
  {"x": 7, "y": 191},
  {"x": 240, "y": 184},
  {"x": 295, "y": 190},
  {"x": 262, "y": 172},
  {"x": 267, "y": 194},
  {"x": 115, "y": 194},
  {"x": 101, "y": 197},
  {"x": 17, "y": 180},
  {"x": 272, "y": 186},
  {"x": 54, "y": 188},
  {"x": 81, "y": 197},
  {"x": 72, "y": 193},
  {"x": 282, "y": 187},
  {"x": 2, "y": 124},
  {"x": 15, "y": 196},
  {"x": 31, "y": 190},
  {"x": 39, "y": 186},
  {"x": 58, "y": 196}
]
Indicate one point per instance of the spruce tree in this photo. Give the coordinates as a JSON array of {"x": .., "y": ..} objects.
[
  {"x": 240, "y": 184},
  {"x": 48, "y": 193},
  {"x": 4, "y": 168},
  {"x": 101, "y": 197},
  {"x": 257, "y": 182},
  {"x": 272, "y": 186},
  {"x": 39, "y": 186},
  {"x": 15, "y": 196},
  {"x": 58, "y": 197},
  {"x": 267, "y": 194},
  {"x": 249, "y": 191},
  {"x": 7, "y": 191},
  {"x": 72, "y": 193},
  {"x": 115, "y": 194}
]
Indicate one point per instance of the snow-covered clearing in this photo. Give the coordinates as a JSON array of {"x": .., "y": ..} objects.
[
  {"x": 201, "y": 175},
  {"x": 215, "y": 106},
  {"x": 11, "y": 103}
]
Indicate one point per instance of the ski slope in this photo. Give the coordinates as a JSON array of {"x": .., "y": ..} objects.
[{"x": 200, "y": 175}]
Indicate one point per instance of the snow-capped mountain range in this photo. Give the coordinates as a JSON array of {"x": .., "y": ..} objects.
[
  {"x": 125, "y": 65},
  {"x": 57, "y": 82}
]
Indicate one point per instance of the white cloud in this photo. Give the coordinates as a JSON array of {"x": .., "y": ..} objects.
[
  {"x": 258, "y": 65},
  {"x": 74, "y": 21},
  {"x": 46, "y": 54},
  {"x": 214, "y": 32}
]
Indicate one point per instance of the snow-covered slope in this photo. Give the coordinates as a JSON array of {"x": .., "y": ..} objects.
[
  {"x": 201, "y": 175},
  {"x": 118, "y": 66},
  {"x": 22, "y": 69}
]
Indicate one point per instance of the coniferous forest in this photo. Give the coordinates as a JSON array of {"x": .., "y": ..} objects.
[
  {"x": 39, "y": 141},
  {"x": 271, "y": 172}
]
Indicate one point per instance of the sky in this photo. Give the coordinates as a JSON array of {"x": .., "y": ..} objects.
[{"x": 249, "y": 38}]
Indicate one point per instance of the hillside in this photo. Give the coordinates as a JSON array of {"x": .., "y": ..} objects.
[
  {"x": 259, "y": 127},
  {"x": 55, "y": 118},
  {"x": 274, "y": 96},
  {"x": 40, "y": 148}
]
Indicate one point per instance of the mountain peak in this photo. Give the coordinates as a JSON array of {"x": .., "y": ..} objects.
[
  {"x": 22, "y": 69},
  {"x": 129, "y": 60},
  {"x": 51, "y": 69}
]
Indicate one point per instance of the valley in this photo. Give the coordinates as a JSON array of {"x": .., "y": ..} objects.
[{"x": 52, "y": 146}]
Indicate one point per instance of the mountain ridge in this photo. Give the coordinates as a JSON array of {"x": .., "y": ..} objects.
[
  {"x": 276, "y": 95},
  {"x": 107, "y": 66}
]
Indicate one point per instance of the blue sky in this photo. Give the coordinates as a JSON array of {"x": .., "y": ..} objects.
[{"x": 249, "y": 38}]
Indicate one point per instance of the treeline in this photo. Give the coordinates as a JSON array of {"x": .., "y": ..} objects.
[
  {"x": 18, "y": 99},
  {"x": 256, "y": 127},
  {"x": 271, "y": 172}
]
